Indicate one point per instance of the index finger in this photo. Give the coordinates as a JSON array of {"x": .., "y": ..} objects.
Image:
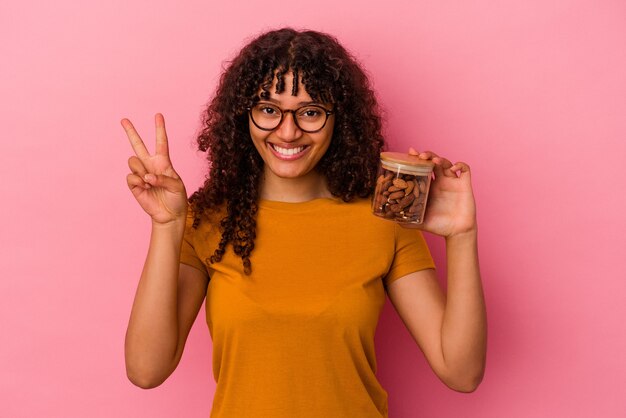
[
  {"x": 135, "y": 139},
  {"x": 161, "y": 136}
]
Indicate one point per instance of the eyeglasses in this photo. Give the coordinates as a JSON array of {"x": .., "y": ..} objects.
[{"x": 309, "y": 118}]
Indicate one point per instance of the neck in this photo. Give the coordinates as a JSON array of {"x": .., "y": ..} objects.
[{"x": 301, "y": 189}]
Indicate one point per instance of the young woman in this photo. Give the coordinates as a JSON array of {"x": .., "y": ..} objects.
[{"x": 282, "y": 243}]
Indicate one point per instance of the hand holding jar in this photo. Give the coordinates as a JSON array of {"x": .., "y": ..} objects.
[{"x": 449, "y": 208}]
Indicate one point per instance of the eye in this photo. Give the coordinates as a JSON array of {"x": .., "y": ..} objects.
[
  {"x": 310, "y": 112},
  {"x": 267, "y": 110}
]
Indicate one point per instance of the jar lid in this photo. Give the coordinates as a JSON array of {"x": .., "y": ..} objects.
[{"x": 406, "y": 159}]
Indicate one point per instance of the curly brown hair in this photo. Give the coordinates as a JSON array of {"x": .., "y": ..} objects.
[{"x": 330, "y": 74}]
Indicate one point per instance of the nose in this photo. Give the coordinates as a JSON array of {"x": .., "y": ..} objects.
[{"x": 288, "y": 130}]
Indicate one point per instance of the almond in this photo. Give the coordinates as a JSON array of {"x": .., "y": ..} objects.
[{"x": 399, "y": 183}]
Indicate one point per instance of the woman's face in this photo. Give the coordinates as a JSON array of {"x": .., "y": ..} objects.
[{"x": 289, "y": 152}]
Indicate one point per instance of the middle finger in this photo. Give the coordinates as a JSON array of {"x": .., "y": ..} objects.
[{"x": 427, "y": 155}]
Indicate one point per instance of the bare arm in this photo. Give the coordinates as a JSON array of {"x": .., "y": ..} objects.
[
  {"x": 168, "y": 298},
  {"x": 451, "y": 331}
]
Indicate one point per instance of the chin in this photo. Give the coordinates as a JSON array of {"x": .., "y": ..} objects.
[{"x": 288, "y": 173}]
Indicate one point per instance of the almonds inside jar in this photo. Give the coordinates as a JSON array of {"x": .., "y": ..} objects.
[{"x": 402, "y": 188}]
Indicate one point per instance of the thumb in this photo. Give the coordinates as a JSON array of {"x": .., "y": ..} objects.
[{"x": 168, "y": 183}]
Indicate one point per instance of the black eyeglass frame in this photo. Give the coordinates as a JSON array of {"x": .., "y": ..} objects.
[{"x": 293, "y": 115}]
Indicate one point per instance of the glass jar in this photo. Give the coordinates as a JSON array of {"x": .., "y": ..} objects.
[{"x": 402, "y": 187}]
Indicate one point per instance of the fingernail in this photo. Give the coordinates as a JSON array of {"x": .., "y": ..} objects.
[{"x": 149, "y": 177}]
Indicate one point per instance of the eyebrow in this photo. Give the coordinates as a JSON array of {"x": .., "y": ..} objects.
[{"x": 299, "y": 104}]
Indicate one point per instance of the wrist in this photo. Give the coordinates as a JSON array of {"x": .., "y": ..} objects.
[
  {"x": 174, "y": 224},
  {"x": 470, "y": 234}
]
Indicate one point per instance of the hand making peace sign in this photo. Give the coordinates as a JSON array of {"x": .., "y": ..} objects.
[{"x": 154, "y": 183}]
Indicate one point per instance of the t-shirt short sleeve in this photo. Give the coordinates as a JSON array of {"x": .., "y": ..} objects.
[
  {"x": 412, "y": 254},
  {"x": 188, "y": 253}
]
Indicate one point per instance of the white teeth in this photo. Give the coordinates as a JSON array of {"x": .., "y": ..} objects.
[{"x": 287, "y": 151}]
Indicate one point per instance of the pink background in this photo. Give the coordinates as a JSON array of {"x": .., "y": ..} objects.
[{"x": 532, "y": 94}]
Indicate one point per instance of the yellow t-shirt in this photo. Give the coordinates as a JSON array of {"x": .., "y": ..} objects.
[{"x": 296, "y": 338}]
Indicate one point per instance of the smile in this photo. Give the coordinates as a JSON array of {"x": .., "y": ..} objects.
[{"x": 288, "y": 153}]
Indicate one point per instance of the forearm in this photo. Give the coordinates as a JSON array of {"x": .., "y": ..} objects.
[
  {"x": 464, "y": 328},
  {"x": 152, "y": 335}
]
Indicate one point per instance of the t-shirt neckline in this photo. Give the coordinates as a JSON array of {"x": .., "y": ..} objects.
[{"x": 309, "y": 204}]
